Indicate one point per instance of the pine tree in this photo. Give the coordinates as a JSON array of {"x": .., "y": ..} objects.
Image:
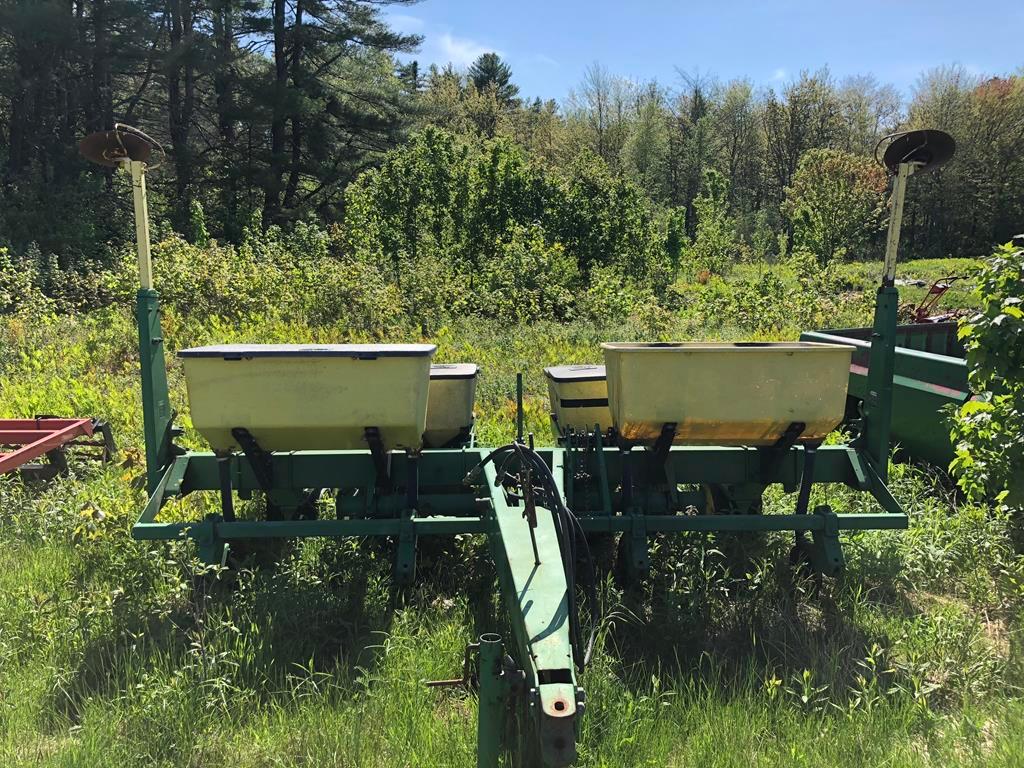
[{"x": 489, "y": 71}]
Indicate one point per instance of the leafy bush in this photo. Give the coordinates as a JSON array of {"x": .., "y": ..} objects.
[
  {"x": 18, "y": 284},
  {"x": 528, "y": 279},
  {"x": 835, "y": 203},
  {"x": 612, "y": 297},
  {"x": 455, "y": 215},
  {"x": 714, "y": 247},
  {"x": 989, "y": 433}
]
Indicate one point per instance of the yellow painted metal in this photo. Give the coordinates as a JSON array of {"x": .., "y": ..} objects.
[
  {"x": 579, "y": 397},
  {"x": 899, "y": 193},
  {"x": 449, "y": 403},
  {"x": 309, "y": 398},
  {"x": 726, "y": 394},
  {"x": 137, "y": 168}
]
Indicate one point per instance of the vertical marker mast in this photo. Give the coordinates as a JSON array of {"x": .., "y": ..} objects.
[
  {"x": 137, "y": 168},
  {"x": 906, "y": 154},
  {"x": 129, "y": 148}
]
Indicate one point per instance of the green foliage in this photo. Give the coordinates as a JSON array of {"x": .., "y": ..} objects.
[
  {"x": 293, "y": 278},
  {"x": 646, "y": 151},
  {"x": 528, "y": 279},
  {"x": 195, "y": 230},
  {"x": 490, "y": 72},
  {"x": 989, "y": 432},
  {"x": 835, "y": 203},
  {"x": 611, "y": 297},
  {"x": 467, "y": 212},
  {"x": 19, "y": 289},
  {"x": 714, "y": 247},
  {"x": 606, "y": 219},
  {"x": 675, "y": 239}
]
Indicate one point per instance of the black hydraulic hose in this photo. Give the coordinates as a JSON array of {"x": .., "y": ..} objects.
[
  {"x": 568, "y": 530},
  {"x": 573, "y": 532}
]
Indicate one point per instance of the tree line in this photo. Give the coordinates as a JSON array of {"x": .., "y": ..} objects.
[
  {"x": 266, "y": 108},
  {"x": 270, "y": 109}
]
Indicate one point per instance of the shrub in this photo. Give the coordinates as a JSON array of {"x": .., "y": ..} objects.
[
  {"x": 19, "y": 288},
  {"x": 442, "y": 198},
  {"x": 528, "y": 279},
  {"x": 989, "y": 433},
  {"x": 835, "y": 203},
  {"x": 714, "y": 245},
  {"x": 611, "y": 297}
]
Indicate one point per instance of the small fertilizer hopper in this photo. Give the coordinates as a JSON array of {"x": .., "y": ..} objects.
[{"x": 369, "y": 440}]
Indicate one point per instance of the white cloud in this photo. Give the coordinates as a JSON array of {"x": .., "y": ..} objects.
[
  {"x": 547, "y": 61},
  {"x": 778, "y": 75},
  {"x": 460, "y": 51},
  {"x": 403, "y": 22}
]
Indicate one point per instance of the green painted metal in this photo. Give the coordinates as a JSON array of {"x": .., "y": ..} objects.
[
  {"x": 826, "y": 551},
  {"x": 929, "y": 374},
  {"x": 156, "y": 401},
  {"x": 878, "y": 397},
  {"x": 443, "y": 471},
  {"x": 493, "y": 701},
  {"x": 538, "y": 602}
]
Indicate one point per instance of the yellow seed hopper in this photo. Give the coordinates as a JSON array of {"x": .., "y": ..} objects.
[
  {"x": 579, "y": 397},
  {"x": 745, "y": 393},
  {"x": 309, "y": 397}
]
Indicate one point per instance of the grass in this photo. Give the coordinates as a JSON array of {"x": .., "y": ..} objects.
[{"x": 912, "y": 658}]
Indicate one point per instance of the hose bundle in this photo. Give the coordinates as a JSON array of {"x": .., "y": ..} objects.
[{"x": 568, "y": 530}]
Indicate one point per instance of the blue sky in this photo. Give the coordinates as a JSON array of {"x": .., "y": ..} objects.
[{"x": 550, "y": 44}]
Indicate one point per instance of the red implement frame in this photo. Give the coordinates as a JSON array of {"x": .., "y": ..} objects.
[
  {"x": 42, "y": 436},
  {"x": 937, "y": 290}
]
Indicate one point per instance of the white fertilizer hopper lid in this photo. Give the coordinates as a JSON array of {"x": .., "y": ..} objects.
[
  {"x": 453, "y": 371},
  {"x": 575, "y": 373},
  {"x": 356, "y": 351}
]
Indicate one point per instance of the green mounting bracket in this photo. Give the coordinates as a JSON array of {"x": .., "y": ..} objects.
[
  {"x": 881, "y": 368},
  {"x": 636, "y": 547},
  {"x": 212, "y": 549},
  {"x": 405, "y": 552},
  {"x": 156, "y": 401},
  {"x": 826, "y": 550}
]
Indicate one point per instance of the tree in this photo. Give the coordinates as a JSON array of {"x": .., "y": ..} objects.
[
  {"x": 807, "y": 117},
  {"x": 675, "y": 238},
  {"x": 691, "y": 144},
  {"x": 330, "y": 101},
  {"x": 645, "y": 152},
  {"x": 714, "y": 245},
  {"x": 539, "y": 128},
  {"x": 410, "y": 77},
  {"x": 740, "y": 145},
  {"x": 490, "y": 72},
  {"x": 835, "y": 203},
  {"x": 867, "y": 112},
  {"x": 67, "y": 68},
  {"x": 598, "y": 114}
]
